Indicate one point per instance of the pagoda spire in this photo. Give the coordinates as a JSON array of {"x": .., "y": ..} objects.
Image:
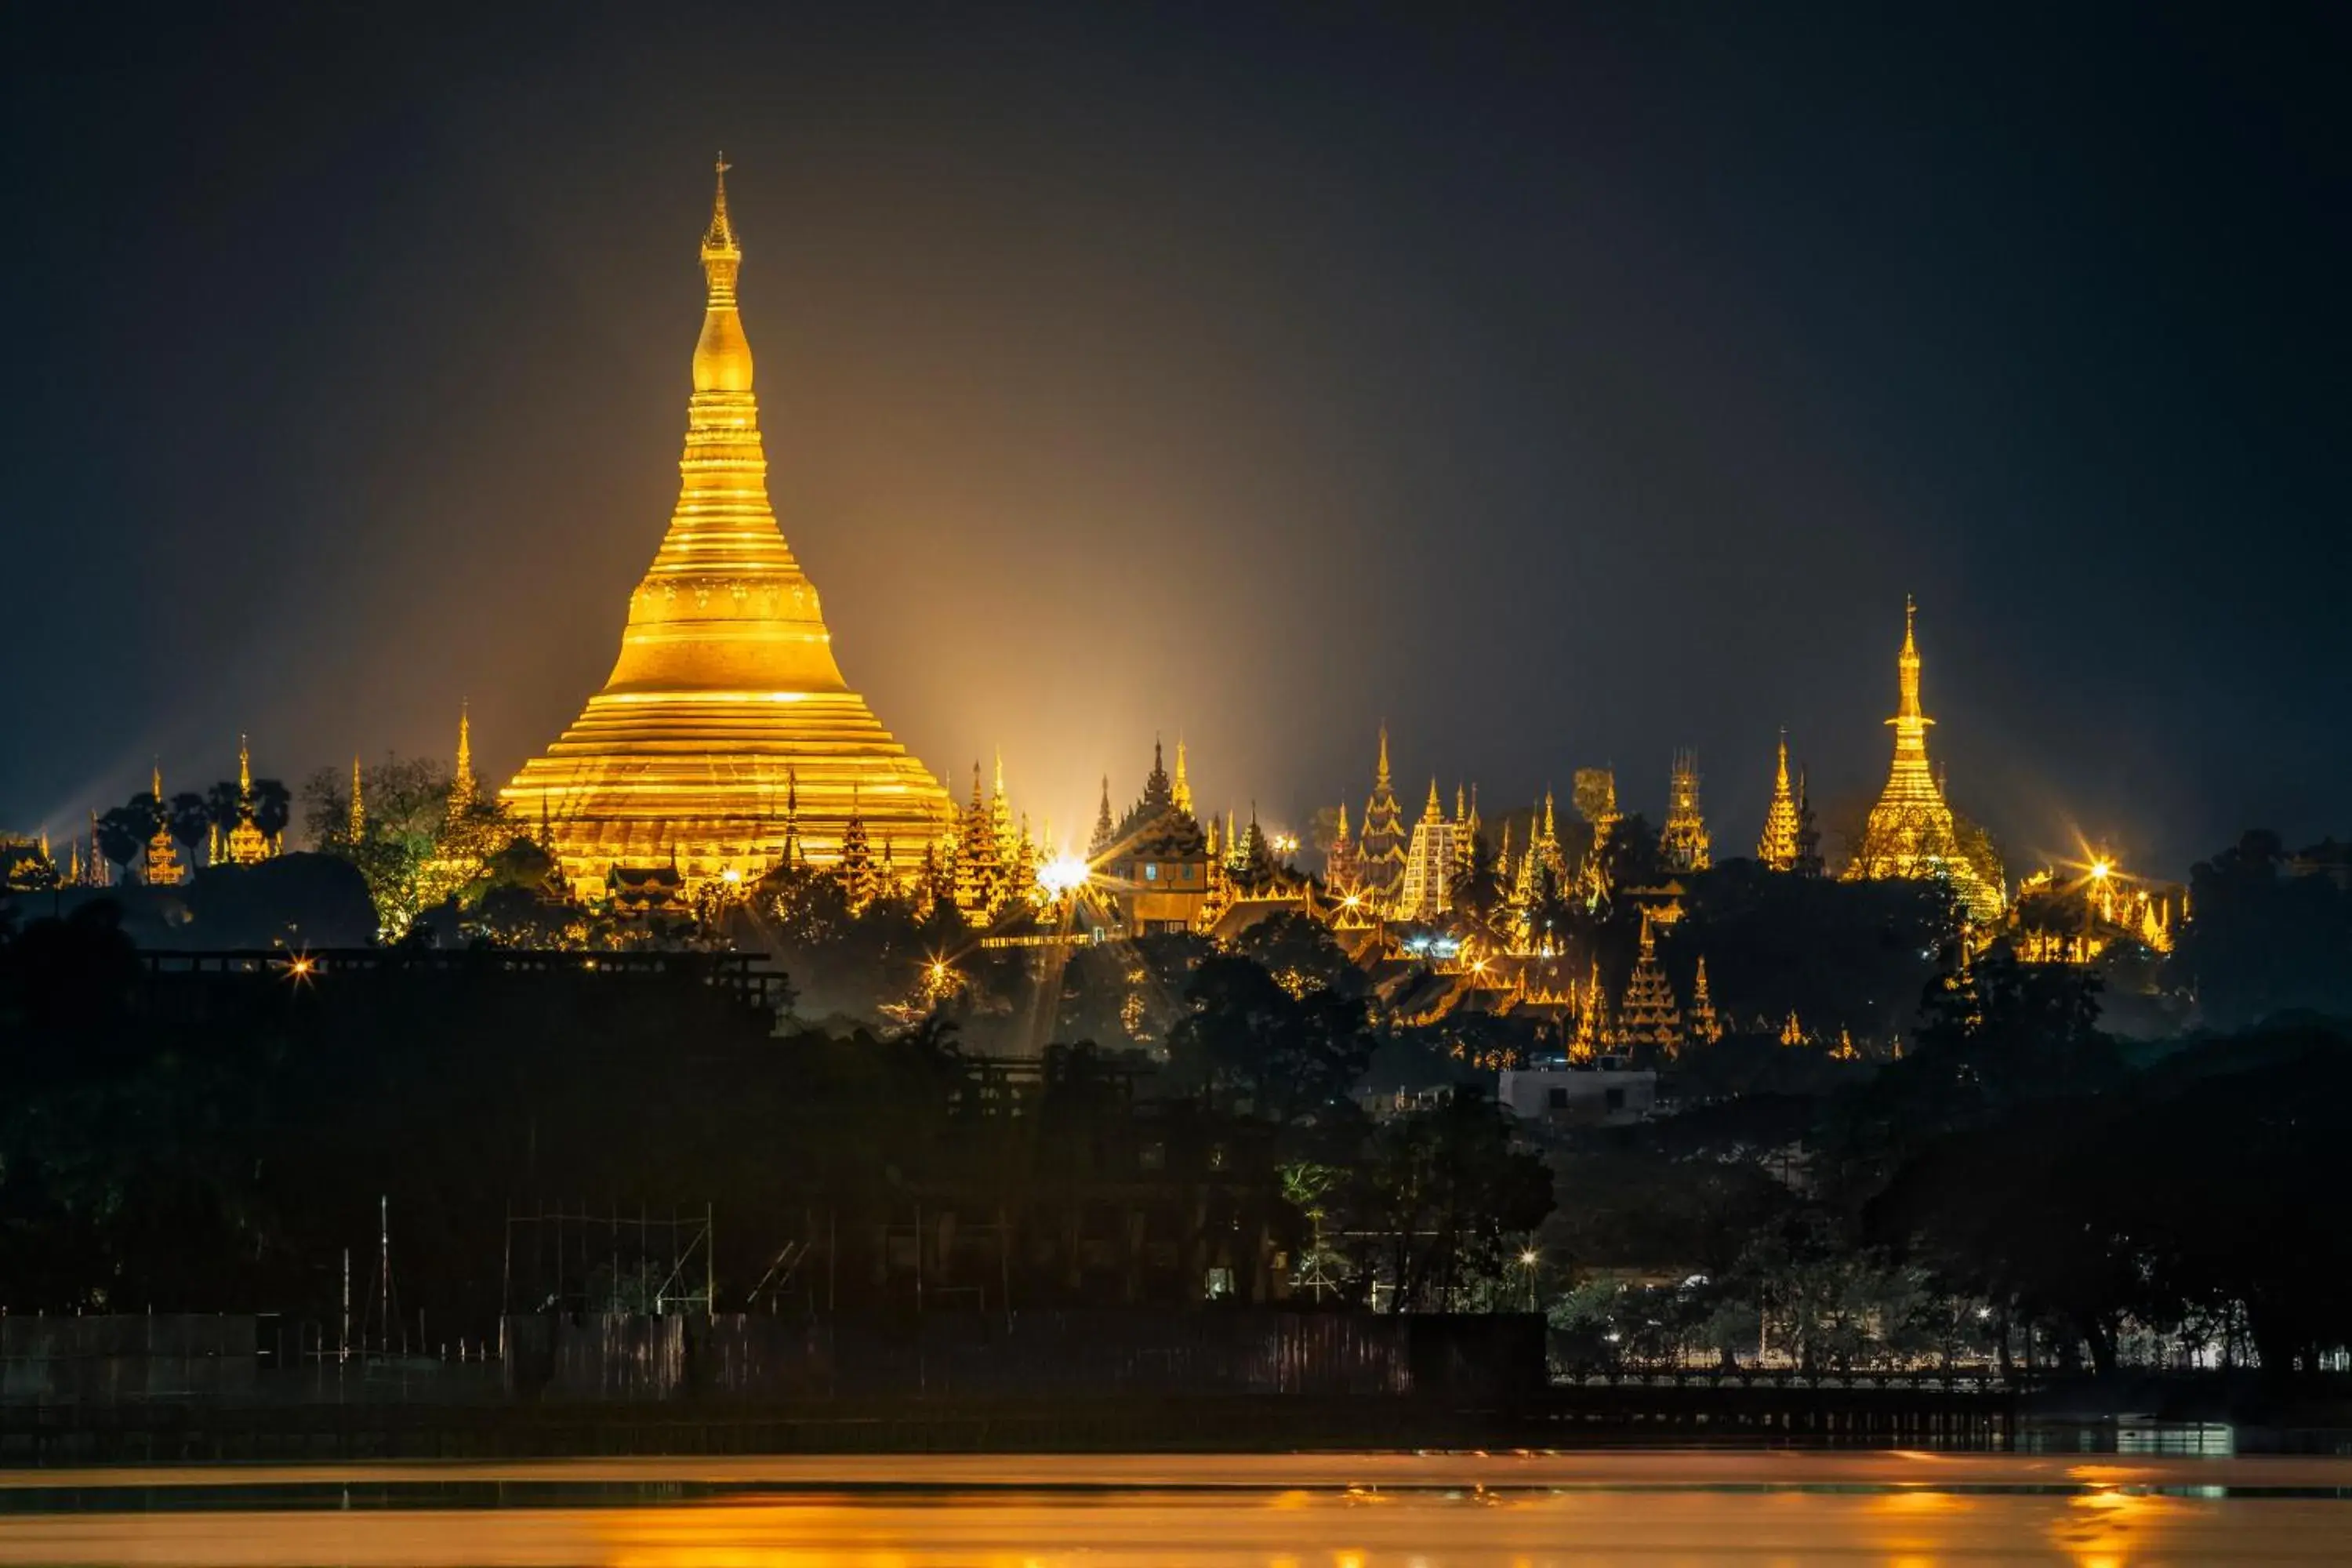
[
  {"x": 1381, "y": 843},
  {"x": 246, "y": 844},
  {"x": 718, "y": 239},
  {"x": 355, "y": 826},
  {"x": 1103, "y": 829},
  {"x": 1704, "y": 1025},
  {"x": 1181, "y": 792},
  {"x": 163, "y": 868},
  {"x": 462, "y": 786},
  {"x": 1911, "y": 832},
  {"x": 1777, "y": 849}
]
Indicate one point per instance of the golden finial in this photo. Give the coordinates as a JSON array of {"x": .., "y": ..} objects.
[
  {"x": 243, "y": 766},
  {"x": 462, "y": 786},
  {"x": 720, "y": 236}
]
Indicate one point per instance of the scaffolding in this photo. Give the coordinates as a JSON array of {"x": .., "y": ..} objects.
[{"x": 577, "y": 1259}]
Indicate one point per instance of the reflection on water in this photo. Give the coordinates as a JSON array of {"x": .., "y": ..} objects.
[{"x": 1312, "y": 1511}]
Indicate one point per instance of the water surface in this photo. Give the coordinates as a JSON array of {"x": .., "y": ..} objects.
[{"x": 1902, "y": 1510}]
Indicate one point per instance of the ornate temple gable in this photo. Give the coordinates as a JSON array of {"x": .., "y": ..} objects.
[
  {"x": 726, "y": 695},
  {"x": 1156, "y": 826}
]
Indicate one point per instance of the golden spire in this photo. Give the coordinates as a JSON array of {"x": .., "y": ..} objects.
[
  {"x": 1184, "y": 790},
  {"x": 1381, "y": 777},
  {"x": 357, "y": 825},
  {"x": 1907, "y": 664},
  {"x": 164, "y": 868},
  {"x": 1343, "y": 819},
  {"x": 1433, "y": 812},
  {"x": 1777, "y": 848},
  {"x": 718, "y": 239},
  {"x": 723, "y": 358},
  {"x": 1911, "y": 832},
  {"x": 462, "y": 788},
  {"x": 247, "y": 844}
]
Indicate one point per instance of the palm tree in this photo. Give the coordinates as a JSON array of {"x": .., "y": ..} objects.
[
  {"x": 191, "y": 821},
  {"x": 273, "y": 807},
  {"x": 122, "y": 834},
  {"x": 223, "y": 805}
]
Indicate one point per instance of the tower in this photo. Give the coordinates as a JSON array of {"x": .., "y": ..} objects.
[
  {"x": 1181, "y": 792},
  {"x": 1596, "y": 802},
  {"x": 1103, "y": 829},
  {"x": 1000, "y": 817},
  {"x": 164, "y": 868},
  {"x": 1381, "y": 847},
  {"x": 355, "y": 826},
  {"x": 463, "y": 788},
  {"x": 1431, "y": 864},
  {"x": 1647, "y": 1014},
  {"x": 1911, "y": 832},
  {"x": 1704, "y": 1025},
  {"x": 1776, "y": 849},
  {"x": 981, "y": 877},
  {"x": 1683, "y": 842},
  {"x": 247, "y": 845},
  {"x": 854, "y": 865},
  {"x": 1342, "y": 868},
  {"x": 726, "y": 683}
]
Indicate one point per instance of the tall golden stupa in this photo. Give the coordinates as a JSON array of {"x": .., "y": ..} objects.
[
  {"x": 1911, "y": 831},
  {"x": 725, "y": 724}
]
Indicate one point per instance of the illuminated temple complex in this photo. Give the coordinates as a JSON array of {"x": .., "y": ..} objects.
[{"x": 726, "y": 728}]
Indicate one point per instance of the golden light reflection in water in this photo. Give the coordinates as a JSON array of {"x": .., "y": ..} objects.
[{"x": 1602, "y": 1512}]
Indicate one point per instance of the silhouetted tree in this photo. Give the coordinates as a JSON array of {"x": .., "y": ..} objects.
[{"x": 190, "y": 821}]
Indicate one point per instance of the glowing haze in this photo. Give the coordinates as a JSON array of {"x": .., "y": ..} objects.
[{"x": 1562, "y": 392}]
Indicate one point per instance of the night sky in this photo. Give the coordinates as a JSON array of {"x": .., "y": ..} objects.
[{"x": 1564, "y": 387}]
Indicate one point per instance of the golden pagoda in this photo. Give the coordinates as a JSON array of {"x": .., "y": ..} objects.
[
  {"x": 726, "y": 692},
  {"x": 1911, "y": 832},
  {"x": 164, "y": 868},
  {"x": 247, "y": 845},
  {"x": 1776, "y": 847},
  {"x": 1647, "y": 1014}
]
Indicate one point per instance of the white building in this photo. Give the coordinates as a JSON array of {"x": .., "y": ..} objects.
[{"x": 1602, "y": 1096}]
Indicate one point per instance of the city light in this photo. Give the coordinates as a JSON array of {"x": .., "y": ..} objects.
[{"x": 1064, "y": 874}]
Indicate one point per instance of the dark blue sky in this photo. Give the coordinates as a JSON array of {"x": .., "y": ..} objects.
[{"x": 1565, "y": 386}]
